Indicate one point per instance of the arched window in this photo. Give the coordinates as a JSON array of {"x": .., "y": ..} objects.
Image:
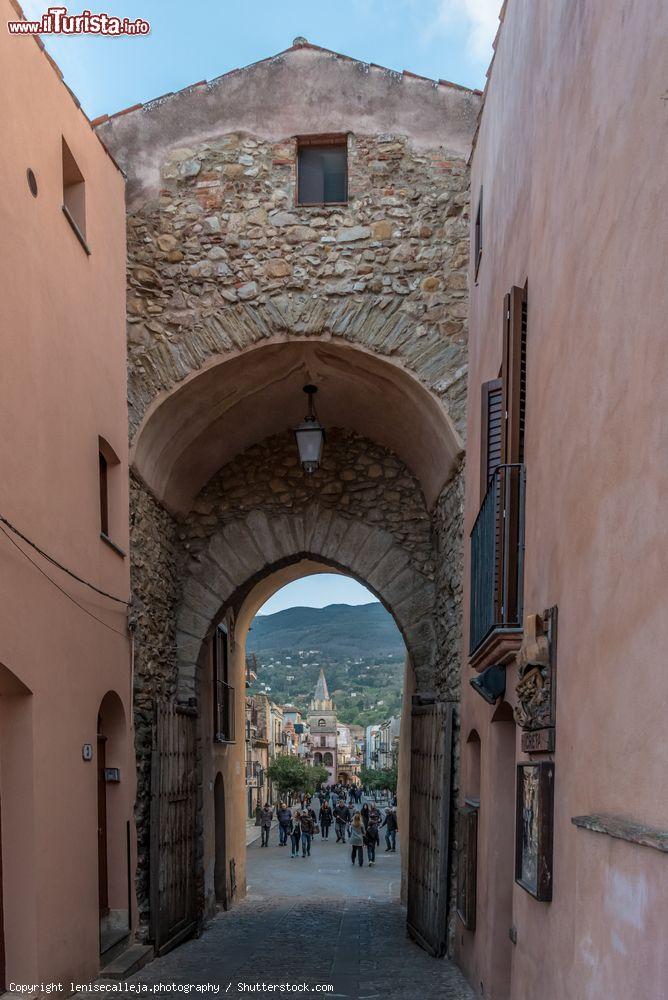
[
  {"x": 322, "y": 722},
  {"x": 328, "y": 760},
  {"x": 318, "y": 758}
]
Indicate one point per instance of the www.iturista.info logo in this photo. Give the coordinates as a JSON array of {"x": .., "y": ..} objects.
[{"x": 56, "y": 21}]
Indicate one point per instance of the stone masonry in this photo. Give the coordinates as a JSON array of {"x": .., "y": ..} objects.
[
  {"x": 220, "y": 259},
  {"x": 223, "y": 258}
]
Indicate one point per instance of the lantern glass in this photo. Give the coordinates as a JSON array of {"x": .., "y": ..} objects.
[{"x": 309, "y": 436}]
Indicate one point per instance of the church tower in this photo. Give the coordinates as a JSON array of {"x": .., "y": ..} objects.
[
  {"x": 321, "y": 702},
  {"x": 323, "y": 724}
]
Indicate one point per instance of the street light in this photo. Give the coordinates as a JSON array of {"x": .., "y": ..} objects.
[{"x": 310, "y": 435}]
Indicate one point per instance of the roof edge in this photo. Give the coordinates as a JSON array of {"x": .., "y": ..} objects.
[
  {"x": 302, "y": 44},
  {"x": 59, "y": 73}
]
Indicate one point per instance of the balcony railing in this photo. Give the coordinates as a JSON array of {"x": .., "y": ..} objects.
[
  {"x": 497, "y": 557},
  {"x": 223, "y": 712}
]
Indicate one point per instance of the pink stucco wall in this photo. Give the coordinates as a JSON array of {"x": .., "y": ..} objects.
[
  {"x": 62, "y": 386},
  {"x": 572, "y": 156}
]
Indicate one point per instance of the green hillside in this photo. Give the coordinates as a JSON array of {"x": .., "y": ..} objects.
[{"x": 358, "y": 646}]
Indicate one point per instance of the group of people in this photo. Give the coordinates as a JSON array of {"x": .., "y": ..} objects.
[{"x": 362, "y": 827}]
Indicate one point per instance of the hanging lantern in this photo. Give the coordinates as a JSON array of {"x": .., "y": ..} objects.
[{"x": 310, "y": 435}]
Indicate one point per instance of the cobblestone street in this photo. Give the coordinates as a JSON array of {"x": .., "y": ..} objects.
[{"x": 314, "y": 921}]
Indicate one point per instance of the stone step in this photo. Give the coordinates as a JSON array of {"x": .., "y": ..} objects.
[{"x": 128, "y": 962}]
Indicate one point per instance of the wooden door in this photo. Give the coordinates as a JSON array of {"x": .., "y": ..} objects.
[
  {"x": 103, "y": 880},
  {"x": 429, "y": 849},
  {"x": 173, "y": 818},
  {"x": 220, "y": 865}
]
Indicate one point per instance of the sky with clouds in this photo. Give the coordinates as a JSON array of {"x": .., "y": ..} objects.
[{"x": 201, "y": 39}]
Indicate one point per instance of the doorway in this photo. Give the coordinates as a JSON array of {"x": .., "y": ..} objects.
[
  {"x": 220, "y": 864},
  {"x": 102, "y": 856},
  {"x": 113, "y": 841}
]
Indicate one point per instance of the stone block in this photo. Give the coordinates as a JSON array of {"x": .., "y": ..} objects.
[
  {"x": 263, "y": 537},
  {"x": 388, "y": 568}
]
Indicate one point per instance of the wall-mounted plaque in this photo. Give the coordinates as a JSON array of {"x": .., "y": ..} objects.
[
  {"x": 467, "y": 863},
  {"x": 536, "y": 687},
  {"x": 533, "y": 828}
]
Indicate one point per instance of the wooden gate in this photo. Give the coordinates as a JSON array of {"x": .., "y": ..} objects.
[
  {"x": 173, "y": 893},
  {"x": 429, "y": 849}
]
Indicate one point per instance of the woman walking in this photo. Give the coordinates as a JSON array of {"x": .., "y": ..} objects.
[
  {"x": 307, "y": 825},
  {"x": 371, "y": 837},
  {"x": 325, "y": 819},
  {"x": 296, "y": 834},
  {"x": 357, "y": 840}
]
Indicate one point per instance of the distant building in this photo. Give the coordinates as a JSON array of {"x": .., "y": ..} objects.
[
  {"x": 372, "y": 746},
  {"x": 322, "y": 723},
  {"x": 388, "y": 749}
]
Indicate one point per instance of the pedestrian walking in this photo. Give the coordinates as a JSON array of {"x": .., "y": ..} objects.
[
  {"x": 296, "y": 834},
  {"x": 357, "y": 840},
  {"x": 325, "y": 819},
  {"x": 307, "y": 825},
  {"x": 391, "y": 824},
  {"x": 371, "y": 837},
  {"x": 284, "y": 817},
  {"x": 266, "y": 816},
  {"x": 364, "y": 812},
  {"x": 342, "y": 816}
]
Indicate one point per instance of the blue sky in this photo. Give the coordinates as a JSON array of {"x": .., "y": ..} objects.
[
  {"x": 201, "y": 39},
  {"x": 198, "y": 40},
  {"x": 317, "y": 592}
]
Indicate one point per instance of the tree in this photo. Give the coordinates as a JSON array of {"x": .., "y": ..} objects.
[
  {"x": 288, "y": 773},
  {"x": 385, "y": 777},
  {"x": 293, "y": 775},
  {"x": 316, "y": 775}
]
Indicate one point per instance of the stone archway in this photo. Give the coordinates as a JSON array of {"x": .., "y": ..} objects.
[{"x": 245, "y": 550}]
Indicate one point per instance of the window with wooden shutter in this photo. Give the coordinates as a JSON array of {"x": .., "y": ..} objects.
[
  {"x": 223, "y": 692},
  {"x": 491, "y": 430},
  {"x": 513, "y": 375}
]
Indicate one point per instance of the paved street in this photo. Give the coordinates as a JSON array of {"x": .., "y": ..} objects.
[{"x": 314, "y": 921}]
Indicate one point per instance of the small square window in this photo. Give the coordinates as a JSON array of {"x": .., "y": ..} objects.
[
  {"x": 322, "y": 172},
  {"x": 74, "y": 195}
]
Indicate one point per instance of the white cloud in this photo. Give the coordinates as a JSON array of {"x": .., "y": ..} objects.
[{"x": 481, "y": 20}]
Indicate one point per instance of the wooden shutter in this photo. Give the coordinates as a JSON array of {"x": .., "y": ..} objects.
[
  {"x": 467, "y": 863},
  {"x": 514, "y": 375},
  {"x": 491, "y": 432}
]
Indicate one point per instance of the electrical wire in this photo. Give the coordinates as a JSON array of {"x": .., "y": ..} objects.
[
  {"x": 57, "y": 585},
  {"x": 54, "y": 562}
]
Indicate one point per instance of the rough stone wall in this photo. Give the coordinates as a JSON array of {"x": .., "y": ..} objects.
[
  {"x": 223, "y": 258},
  {"x": 357, "y": 478},
  {"x": 448, "y": 520},
  {"x": 154, "y": 543}
]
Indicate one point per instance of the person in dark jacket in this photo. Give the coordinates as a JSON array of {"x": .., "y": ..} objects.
[
  {"x": 371, "y": 837},
  {"x": 390, "y": 822},
  {"x": 266, "y": 817},
  {"x": 343, "y": 816},
  {"x": 296, "y": 834},
  {"x": 284, "y": 817},
  {"x": 307, "y": 824},
  {"x": 365, "y": 814},
  {"x": 325, "y": 819}
]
